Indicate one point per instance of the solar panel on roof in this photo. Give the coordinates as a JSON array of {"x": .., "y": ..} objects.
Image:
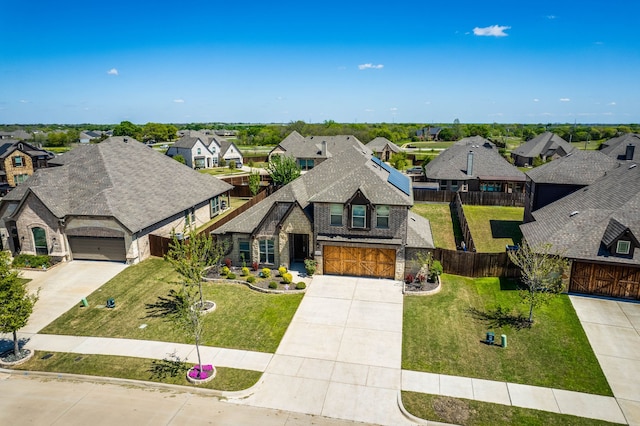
[{"x": 395, "y": 178}]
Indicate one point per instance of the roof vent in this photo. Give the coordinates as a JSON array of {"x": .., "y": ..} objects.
[
  {"x": 633, "y": 166},
  {"x": 573, "y": 213},
  {"x": 125, "y": 140}
]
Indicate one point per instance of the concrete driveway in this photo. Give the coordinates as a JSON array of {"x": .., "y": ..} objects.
[
  {"x": 341, "y": 356},
  {"x": 62, "y": 287},
  {"x": 613, "y": 329}
]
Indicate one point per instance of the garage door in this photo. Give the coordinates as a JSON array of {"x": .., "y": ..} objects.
[
  {"x": 359, "y": 261},
  {"x": 98, "y": 248}
]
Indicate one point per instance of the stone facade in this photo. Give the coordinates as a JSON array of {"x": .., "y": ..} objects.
[
  {"x": 296, "y": 223},
  {"x": 34, "y": 214},
  {"x": 12, "y": 171}
]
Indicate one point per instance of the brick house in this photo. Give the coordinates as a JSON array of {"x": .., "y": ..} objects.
[
  {"x": 18, "y": 161},
  {"x": 383, "y": 148},
  {"x": 350, "y": 213},
  {"x": 546, "y": 146},
  {"x": 104, "y": 201}
]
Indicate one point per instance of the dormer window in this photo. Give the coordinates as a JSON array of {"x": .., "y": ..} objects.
[
  {"x": 623, "y": 247},
  {"x": 358, "y": 216}
]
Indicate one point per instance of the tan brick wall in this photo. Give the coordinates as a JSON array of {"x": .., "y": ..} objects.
[
  {"x": 27, "y": 168},
  {"x": 296, "y": 223},
  {"x": 34, "y": 214}
]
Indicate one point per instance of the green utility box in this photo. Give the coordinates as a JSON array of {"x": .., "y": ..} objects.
[
  {"x": 504, "y": 340},
  {"x": 84, "y": 302}
]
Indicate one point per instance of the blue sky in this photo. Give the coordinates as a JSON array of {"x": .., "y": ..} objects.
[{"x": 348, "y": 61}]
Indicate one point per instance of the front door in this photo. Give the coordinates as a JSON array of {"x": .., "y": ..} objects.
[{"x": 300, "y": 247}]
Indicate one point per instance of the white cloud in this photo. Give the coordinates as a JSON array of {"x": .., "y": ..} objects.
[
  {"x": 565, "y": 100},
  {"x": 369, "y": 110},
  {"x": 551, "y": 16},
  {"x": 393, "y": 109},
  {"x": 492, "y": 31},
  {"x": 178, "y": 101},
  {"x": 112, "y": 71},
  {"x": 370, "y": 66},
  {"x": 536, "y": 100},
  {"x": 24, "y": 101},
  {"x": 611, "y": 103}
]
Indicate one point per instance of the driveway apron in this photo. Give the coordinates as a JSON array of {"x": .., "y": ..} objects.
[{"x": 341, "y": 355}]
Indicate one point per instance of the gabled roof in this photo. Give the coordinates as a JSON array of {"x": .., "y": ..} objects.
[
  {"x": 379, "y": 143},
  {"x": 617, "y": 147},
  {"x": 118, "y": 179},
  {"x": 8, "y": 146},
  {"x": 296, "y": 146},
  {"x": 225, "y": 145},
  {"x": 188, "y": 141},
  {"x": 577, "y": 224},
  {"x": 546, "y": 143},
  {"x": 577, "y": 168},
  {"x": 332, "y": 181},
  {"x": 487, "y": 162}
]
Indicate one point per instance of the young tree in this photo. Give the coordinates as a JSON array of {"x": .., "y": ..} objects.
[
  {"x": 399, "y": 160},
  {"x": 180, "y": 159},
  {"x": 283, "y": 169},
  {"x": 254, "y": 182},
  {"x": 541, "y": 274},
  {"x": 17, "y": 304}
]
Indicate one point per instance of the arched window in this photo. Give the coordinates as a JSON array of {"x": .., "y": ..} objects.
[{"x": 40, "y": 240}]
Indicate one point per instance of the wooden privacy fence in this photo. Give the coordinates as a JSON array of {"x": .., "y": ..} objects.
[
  {"x": 473, "y": 264},
  {"x": 475, "y": 198},
  {"x": 464, "y": 225},
  {"x": 159, "y": 246}
]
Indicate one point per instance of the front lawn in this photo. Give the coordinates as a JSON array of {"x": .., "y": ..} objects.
[
  {"x": 439, "y": 215},
  {"x": 243, "y": 319},
  {"x": 493, "y": 227},
  {"x": 122, "y": 367},
  {"x": 442, "y": 334}
]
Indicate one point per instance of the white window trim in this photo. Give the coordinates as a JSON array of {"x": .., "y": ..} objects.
[
  {"x": 623, "y": 242},
  {"x": 266, "y": 253}
]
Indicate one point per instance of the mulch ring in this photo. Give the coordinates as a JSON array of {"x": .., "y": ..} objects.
[{"x": 8, "y": 358}]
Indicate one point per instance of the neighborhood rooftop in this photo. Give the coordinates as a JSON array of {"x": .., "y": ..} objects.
[{"x": 577, "y": 168}]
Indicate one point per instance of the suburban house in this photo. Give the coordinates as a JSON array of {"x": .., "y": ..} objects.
[
  {"x": 313, "y": 150},
  {"x": 429, "y": 133},
  {"x": 383, "y": 148},
  {"x": 546, "y": 146},
  {"x": 598, "y": 229},
  {"x": 18, "y": 161},
  {"x": 229, "y": 152},
  {"x": 623, "y": 148},
  {"x": 474, "y": 164},
  {"x": 89, "y": 135},
  {"x": 350, "y": 213},
  {"x": 17, "y": 135},
  {"x": 195, "y": 151},
  {"x": 104, "y": 201},
  {"x": 559, "y": 178}
]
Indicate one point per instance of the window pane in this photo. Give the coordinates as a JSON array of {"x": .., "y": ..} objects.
[
  {"x": 336, "y": 214},
  {"x": 623, "y": 247},
  {"x": 382, "y": 216},
  {"x": 358, "y": 214},
  {"x": 245, "y": 251}
]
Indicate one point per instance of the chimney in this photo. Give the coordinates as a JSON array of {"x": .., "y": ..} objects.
[
  {"x": 629, "y": 153},
  {"x": 470, "y": 163},
  {"x": 323, "y": 150}
]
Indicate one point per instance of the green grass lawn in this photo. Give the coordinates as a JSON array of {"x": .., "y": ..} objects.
[
  {"x": 227, "y": 379},
  {"x": 442, "y": 334},
  {"x": 426, "y": 146},
  {"x": 468, "y": 412},
  {"x": 217, "y": 171},
  {"x": 243, "y": 319},
  {"x": 493, "y": 227},
  {"x": 439, "y": 215}
]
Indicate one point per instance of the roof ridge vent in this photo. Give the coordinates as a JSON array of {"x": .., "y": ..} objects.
[
  {"x": 633, "y": 166},
  {"x": 573, "y": 213}
]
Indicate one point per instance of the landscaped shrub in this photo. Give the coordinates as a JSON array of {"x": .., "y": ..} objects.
[
  {"x": 287, "y": 278},
  {"x": 231, "y": 276},
  {"x": 310, "y": 266},
  {"x": 251, "y": 279},
  {"x": 436, "y": 268},
  {"x": 266, "y": 272},
  {"x": 225, "y": 270},
  {"x": 301, "y": 285},
  {"x": 409, "y": 278},
  {"x": 227, "y": 262},
  {"x": 31, "y": 261},
  {"x": 245, "y": 271},
  {"x": 255, "y": 266},
  {"x": 273, "y": 285},
  {"x": 282, "y": 270}
]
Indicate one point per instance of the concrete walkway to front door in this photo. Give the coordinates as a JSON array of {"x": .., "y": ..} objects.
[{"x": 341, "y": 355}]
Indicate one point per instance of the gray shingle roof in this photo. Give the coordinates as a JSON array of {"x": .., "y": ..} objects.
[
  {"x": 487, "y": 162},
  {"x": 126, "y": 180},
  {"x": 577, "y": 168},
  {"x": 311, "y": 147},
  {"x": 188, "y": 141},
  {"x": 544, "y": 144},
  {"x": 333, "y": 181},
  {"x": 617, "y": 147},
  {"x": 419, "y": 232},
  {"x": 378, "y": 144},
  {"x": 576, "y": 224}
]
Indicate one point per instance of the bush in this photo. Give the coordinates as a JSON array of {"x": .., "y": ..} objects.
[
  {"x": 245, "y": 271},
  {"x": 266, "y": 272},
  {"x": 301, "y": 286},
  {"x": 273, "y": 285},
  {"x": 231, "y": 276},
  {"x": 31, "y": 261},
  {"x": 227, "y": 262},
  {"x": 225, "y": 270},
  {"x": 251, "y": 279},
  {"x": 287, "y": 278},
  {"x": 232, "y": 165},
  {"x": 310, "y": 266},
  {"x": 254, "y": 265},
  {"x": 282, "y": 270},
  {"x": 436, "y": 268},
  {"x": 409, "y": 278}
]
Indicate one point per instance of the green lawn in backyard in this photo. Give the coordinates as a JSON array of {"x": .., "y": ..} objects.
[
  {"x": 218, "y": 171},
  {"x": 234, "y": 203},
  {"x": 442, "y": 334},
  {"x": 243, "y": 319},
  {"x": 493, "y": 227},
  {"x": 468, "y": 412},
  {"x": 227, "y": 379},
  {"x": 426, "y": 146},
  {"x": 439, "y": 215}
]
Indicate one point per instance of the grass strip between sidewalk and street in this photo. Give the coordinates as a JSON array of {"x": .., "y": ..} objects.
[
  {"x": 467, "y": 412},
  {"x": 121, "y": 367},
  {"x": 444, "y": 334},
  {"x": 243, "y": 318}
]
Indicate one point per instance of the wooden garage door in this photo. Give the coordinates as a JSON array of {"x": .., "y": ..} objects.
[
  {"x": 98, "y": 248},
  {"x": 359, "y": 261},
  {"x": 605, "y": 280}
]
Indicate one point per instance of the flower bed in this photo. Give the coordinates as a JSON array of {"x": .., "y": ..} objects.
[{"x": 265, "y": 280}]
